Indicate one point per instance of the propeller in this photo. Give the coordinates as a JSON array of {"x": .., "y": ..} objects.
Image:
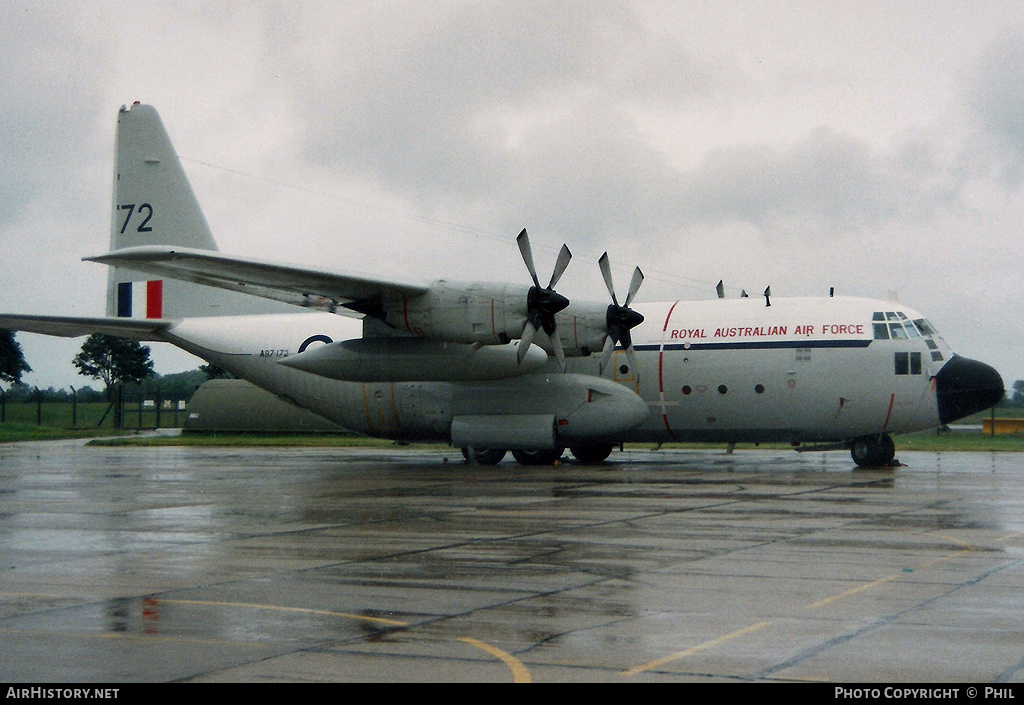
[
  {"x": 542, "y": 303},
  {"x": 621, "y": 319}
]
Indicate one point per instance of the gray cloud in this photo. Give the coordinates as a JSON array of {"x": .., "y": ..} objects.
[
  {"x": 995, "y": 98},
  {"x": 686, "y": 135},
  {"x": 45, "y": 67},
  {"x": 530, "y": 111}
]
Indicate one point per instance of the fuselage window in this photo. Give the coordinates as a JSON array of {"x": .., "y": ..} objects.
[
  {"x": 902, "y": 363},
  {"x": 907, "y": 363}
]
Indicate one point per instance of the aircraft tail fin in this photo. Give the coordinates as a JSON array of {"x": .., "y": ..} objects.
[{"x": 154, "y": 204}]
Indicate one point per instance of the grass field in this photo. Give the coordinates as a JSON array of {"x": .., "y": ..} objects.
[
  {"x": 12, "y": 432},
  {"x": 90, "y": 415},
  {"x": 60, "y": 422}
]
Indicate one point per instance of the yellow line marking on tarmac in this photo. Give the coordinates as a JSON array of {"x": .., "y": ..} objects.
[
  {"x": 813, "y": 606},
  {"x": 968, "y": 548},
  {"x": 954, "y": 539},
  {"x": 694, "y": 649},
  {"x": 520, "y": 673},
  {"x": 853, "y": 591},
  {"x": 299, "y": 610},
  {"x": 950, "y": 557}
]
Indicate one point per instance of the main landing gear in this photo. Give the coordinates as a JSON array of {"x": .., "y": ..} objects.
[
  {"x": 873, "y": 451},
  {"x": 484, "y": 456},
  {"x": 588, "y": 454}
]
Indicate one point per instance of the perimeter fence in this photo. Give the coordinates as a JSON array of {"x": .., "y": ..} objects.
[{"x": 127, "y": 409}]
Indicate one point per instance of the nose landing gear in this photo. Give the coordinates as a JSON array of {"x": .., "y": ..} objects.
[{"x": 873, "y": 451}]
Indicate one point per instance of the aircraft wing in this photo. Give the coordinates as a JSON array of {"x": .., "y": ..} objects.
[
  {"x": 75, "y": 326},
  {"x": 302, "y": 286}
]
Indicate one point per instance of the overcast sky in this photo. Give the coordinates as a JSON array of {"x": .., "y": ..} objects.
[{"x": 877, "y": 147}]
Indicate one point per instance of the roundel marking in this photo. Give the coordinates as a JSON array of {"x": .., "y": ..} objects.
[{"x": 314, "y": 339}]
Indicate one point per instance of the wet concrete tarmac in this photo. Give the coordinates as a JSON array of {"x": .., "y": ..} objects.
[{"x": 262, "y": 565}]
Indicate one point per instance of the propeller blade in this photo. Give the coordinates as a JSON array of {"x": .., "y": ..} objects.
[
  {"x": 556, "y": 342},
  {"x": 621, "y": 318},
  {"x": 631, "y": 356},
  {"x": 526, "y": 341},
  {"x": 606, "y": 272},
  {"x": 542, "y": 303},
  {"x": 563, "y": 261},
  {"x": 634, "y": 285},
  {"x": 527, "y": 253},
  {"x": 606, "y": 355}
]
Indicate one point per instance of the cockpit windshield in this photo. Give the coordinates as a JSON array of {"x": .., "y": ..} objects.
[
  {"x": 925, "y": 327},
  {"x": 896, "y": 325}
]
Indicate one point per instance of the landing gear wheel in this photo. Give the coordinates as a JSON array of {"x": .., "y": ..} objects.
[
  {"x": 873, "y": 451},
  {"x": 484, "y": 456},
  {"x": 526, "y": 456},
  {"x": 591, "y": 453}
]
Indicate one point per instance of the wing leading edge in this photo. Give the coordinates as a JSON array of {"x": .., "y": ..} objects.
[
  {"x": 146, "y": 330},
  {"x": 301, "y": 286}
]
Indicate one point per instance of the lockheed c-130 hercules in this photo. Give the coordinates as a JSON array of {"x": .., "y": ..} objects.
[{"x": 492, "y": 368}]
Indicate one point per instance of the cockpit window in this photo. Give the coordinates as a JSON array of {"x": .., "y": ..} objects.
[
  {"x": 925, "y": 327},
  {"x": 896, "y": 332},
  {"x": 881, "y": 331}
]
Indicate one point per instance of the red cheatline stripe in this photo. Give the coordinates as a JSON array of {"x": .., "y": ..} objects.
[
  {"x": 892, "y": 398},
  {"x": 661, "y": 377}
]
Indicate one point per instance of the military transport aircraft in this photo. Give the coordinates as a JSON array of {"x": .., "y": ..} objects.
[{"x": 492, "y": 368}]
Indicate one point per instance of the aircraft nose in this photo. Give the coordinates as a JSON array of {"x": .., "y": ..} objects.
[{"x": 964, "y": 387}]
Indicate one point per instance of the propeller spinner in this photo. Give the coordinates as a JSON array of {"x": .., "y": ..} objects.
[
  {"x": 621, "y": 319},
  {"x": 542, "y": 303}
]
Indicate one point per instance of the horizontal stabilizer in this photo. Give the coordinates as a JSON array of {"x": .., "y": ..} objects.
[
  {"x": 302, "y": 286},
  {"x": 75, "y": 326}
]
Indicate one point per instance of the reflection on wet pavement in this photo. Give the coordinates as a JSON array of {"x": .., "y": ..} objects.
[{"x": 160, "y": 564}]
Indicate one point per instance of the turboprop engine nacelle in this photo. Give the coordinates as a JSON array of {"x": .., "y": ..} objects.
[
  {"x": 414, "y": 359},
  {"x": 492, "y": 314},
  {"x": 488, "y": 314}
]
